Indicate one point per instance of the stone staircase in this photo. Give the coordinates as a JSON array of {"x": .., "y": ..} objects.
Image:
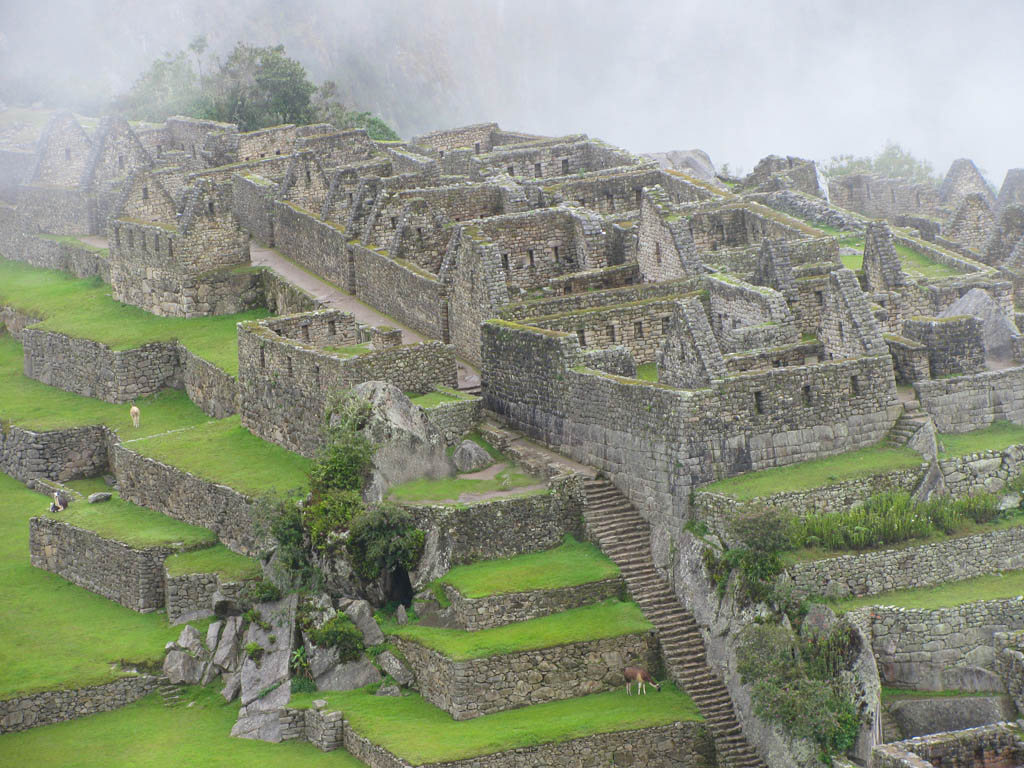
[
  {"x": 907, "y": 424},
  {"x": 170, "y": 693},
  {"x": 625, "y": 537}
]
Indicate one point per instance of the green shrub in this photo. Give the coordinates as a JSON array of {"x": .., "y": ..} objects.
[
  {"x": 761, "y": 535},
  {"x": 254, "y": 651},
  {"x": 260, "y": 592},
  {"x": 342, "y": 635},
  {"x": 303, "y": 685},
  {"x": 345, "y": 460},
  {"x": 382, "y": 539},
  {"x": 331, "y": 514}
]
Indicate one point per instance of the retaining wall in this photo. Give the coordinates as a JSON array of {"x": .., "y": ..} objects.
[
  {"x": 410, "y": 295},
  {"x": 476, "y": 613},
  {"x": 192, "y": 593},
  {"x": 24, "y": 712},
  {"x": 966, "y": 403},
  {"x": 985, "y": 472},
  {"x": 990, "y": 746},
  {"x": 66, "y": 454},
  {"x": 454, "y": 419},
  {"x": 129, "y": 576}
]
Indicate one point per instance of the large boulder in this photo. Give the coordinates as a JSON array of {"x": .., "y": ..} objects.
[
  {"x": 470, "y": 457},
  {"x": 348, "y": 676},
  {"x": 408, "y": 446},
  {"x": 998, "y": 331},
  {"x": 362, "y": 616},
  {"x": 393, "y": 666},
  {"x": 182, "y": 668}
]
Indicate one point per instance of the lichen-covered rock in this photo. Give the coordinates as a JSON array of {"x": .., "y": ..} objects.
[
  {"x": 470, "y": 457},
  {"x": 181, "y": 668},
  {"x": 998, "y": 331},
  {"x": 96, "y": 498},
  {"x": 348, "y": 676},
  {"x": 362, "y": 616},
  {"x": 394, "y": 667}
]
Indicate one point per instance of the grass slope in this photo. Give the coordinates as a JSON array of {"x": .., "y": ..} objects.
[
  {"x": 226, "y": 452},
  {"x": 996, "y": 437},
  {"x": 33, "y": 405},
  {"x": 814, "y": 474},
  {"x": 84, "y": 309},
  {"x": 571, "y": 563},
  {"x": 992, "y": 586},
  {"x": 135, "y": 526},
  {"x": 439, "y": 396},
  {"x": 611, "y": 618},
  {"x": 451, "y": 488},
  {"x": 229, "y": 565},
  {"x": 419, "y": 732},
  {"x": 147, "y": 734},
  {"x": 57, "y": 635}
]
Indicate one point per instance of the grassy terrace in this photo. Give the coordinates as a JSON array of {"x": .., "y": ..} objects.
[
  {"x": 998, "y": 436},
  {"x": 129, "y": 524},
  {"x": 73, "y": 241},
  {"x": 452, "y": 488},
  {"x": 571, "y": 563},
  {"x": 419, "y": 732},
  {"x": 84, "y": 309},
  {"x": 647, "y": 372},
  {"x": 611, "y": 618},
  {"x": 147, "y": 734},
  {"x": 992, "y": 586},
  {"x": 57, "y": 635},
  {"x": 439, "y": 396},
  {"x": 819, "y": 472},
  {"x": 218, "y": 559},
  {"x": 34, "y": 405},
  {"x": 226, "y": 452}
]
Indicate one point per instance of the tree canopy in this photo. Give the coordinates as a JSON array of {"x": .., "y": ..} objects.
[
  {"x": 893, "y": 162},
  {"x": 254, "y": 87}
]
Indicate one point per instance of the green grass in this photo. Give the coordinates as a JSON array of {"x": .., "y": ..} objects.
[
  {"x": 996, "y": 437},
  {"x": 56, "y": 635},
  {"x": 228, "y": 565},
  {"x": 452, "y": 488},
  {"x": 992, "y": 586},
  {"x": 34, "y": 405},
  {"x": 84, "y": 309},
  {"x": 439, "y": 396},
  {"x": 419, "y": 732},
  {"x": 226, "y": 452},
  {"x": 915, "y": 263},
  {"x": 135, "y": 526},
  {"x": 611, "y": 618},
  {"x": 147, "y": 734},
  {"x": 571, "y": 563},
  {"x": 353, "y": 350},
  {"x": 814, "y": 474},
  {"x": 647, "y": 372},
  {"x": 854, "y": 261},
  {"x": 74, "y": 242}
]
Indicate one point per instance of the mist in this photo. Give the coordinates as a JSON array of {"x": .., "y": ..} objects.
[{"x": 739, "y": 80}]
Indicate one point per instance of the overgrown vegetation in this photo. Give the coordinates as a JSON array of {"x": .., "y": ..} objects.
[
  {"x": 893, "y": 162},
  {"x": 340, "y": 634},
  {"x": 756, "y": 559},
  {"x": 992, "y": 586},
  {"x": 253, "y": 86},
  {"x": 797, "y": 681},
  {"x": 383, "y": 539}
]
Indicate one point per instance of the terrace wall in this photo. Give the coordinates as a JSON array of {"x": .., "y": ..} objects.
[
  {"x": 24, "y": 712},
  {"x": 923, "y": 566},
  {"x": 400, "y": 290},
  {"x": 990, "y": 746},
  {"x": 129, "y": 576},
  {"x": 454, "y": 419},
  {"x": 183, "y": 496},
  {"x": 476, "y": 613},
  {"x": 191, "y": 594},
  {"x": 66, "y": 454},
  {"x": 59, "y": 210},
  {"x": 966, "y": 403},
  {"x": 475, "y": 687},
  {"x": 984, "y": 472},
  {"x": 316, "y": 245}
]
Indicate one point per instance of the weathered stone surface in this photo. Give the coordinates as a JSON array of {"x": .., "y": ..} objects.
[
  {"x": 470, "y": 457},
  {"x": 22, "y": 712},
  {"x": 401, "y": 616},
  {"x": 998, "y": 331},
  {"x": 99, "y": 496},
  {"x": 389, "y": 690},
  {"x": 226, "y": 655},
  {"x": 191, "y": 641},
  {"x": 394, "y": 667},
  {"x": 924, "y": 716},
  {"x": 362, "y": 616},
  {"x": 180, "y": 667},
  {"x": 232, "y": 686},
  {"x": 213, "y": 635},
  {"x": 346, "y": 677}
]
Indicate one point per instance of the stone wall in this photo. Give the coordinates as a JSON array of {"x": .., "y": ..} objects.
[
  {"x": 475, "y": 613},
  {"x": 955, "y": 344},
  {"x": 879, "y": 197},
  {"x": 909, "y": 359},
  {"x": 467, "y": 689},
  {"x": 213, "y": 390},
  {"x": 252, "y": 201},
  {"x": 922, "y": 566},
  {"x": 942, "y": 649},
  {"x": 285, "y": 298},
  {"x": 66, "y": 454},
  {"x": 595, "y": 297},
  {"x": 58, "y": 210},
  {"x": 170, "y": 294},
  {"x": 183, "y": 496},
  {"x": 317, "y": 245},
  {"x": 966, "y": 403},
  {"x": 324, "y": 730},
  {"x": 24, "y": 712},
  {"x": 191, "y": 594},
  {"x": 990, "y": 746},
  {"x": 1009, "y": 664},
  {"x": 15, "y": 166},
  {"x": 132, "y": 577},
  {"x": 454, "y": 419},
  {"x": 985, "y": 472},
  {"x": 93, "y": 369},
  {"x": 20, "y": 241},
  {"x": 679, "y": 745},
  {"x": 400, "y": 290}
]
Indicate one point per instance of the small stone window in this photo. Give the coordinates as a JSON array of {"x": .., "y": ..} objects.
[
  {"x": 209, "y": 207},
  {"x": 290, "y": 372},
  {"x": 316, "y": 374},
  {"x": 351, "y": 197},
  {"x": 419, "y": 232},
  {"x": 529, "y": 255},
  {"x": 854, "y": 386},
  {"x": 394, "y": 222},
  {"x": 820, "y": 298},
  {"x": 638, "y": 329},
  {"x": 131, "y": 238},
  {"x": 567, "y": 289},
  {"x": 639, "y": 194},
  {"x": 117, "y": 235},
  {"x": 332, "y": 327},
  {"x": 170, "y": 247},
  {"x": 556, "y": 254},
  {"x": 565, "y": 166},
  {"x": 159, "y": 149},
  {"x": 145, "y": 193},
  {"x": 611, "y": 334},
  {"x": 511, "y": 170},
  {"x": 309, "y": 179},
  {"x": 262, "y": 155},
  {"x": 657, "y": 251},
  {"x": 504, "y": 261},
  {"x": 156, "y": 242},
  {"x": 582, "y": 336},
  {"x": 263, "y": 358},
  {"x": 476, "y": 148},
  {"x": 277, "y": 151},
  {"x": 120, "y": 162},
  {"x": 807, "y": 394},
  {"x": 305, "y": 333},
  {"x": 536, "y": 170},
  {"x": 666, "y": 321},
  {"x": 442, "y": 154},
  {"x": 759, "y": 402},
  {"x": 611, "y": 202}
]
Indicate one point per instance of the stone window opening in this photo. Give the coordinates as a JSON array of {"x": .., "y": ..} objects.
[
  {"x": 67, "y": 154},
  {"x": 665, "y": 323},
  {"x": 159, "y": 149},
  {"x": 536, "y": 170},
  {"x": 611, "y": 202},
  {"x": 556, "y": 254},
  {"x": 156, "y": 242},
  {"x": 350, "y": 198},
  {"x": 639, "y": 194},
  {"x": 582, "y": 336},
  {"x": 854, "y": 386},
  {"x": 441, "y": 154},
  {"x": 117, "y": 235},
  {"x": 867, "y": 190},
  {"x": 316, "y": 374},
  {"x": 263, "y": 358},
  {"x": 209, "y": 207},
  {"x": 131, "y": 238},
  {"x": 807, "y": 395},
  {"x": 193, "y": 150},
  {"x": 120, "y": 162},
  {"x": 820, "y": 298},
  {"x": 394, "y": 222},
  {"x": 305, "y": 333},
  {"x": 657, "y": 251},
  {"x": 170, "y": 247},
  {"x": 277, "y": 151},
  {"x": 476, "y": 148},
  {"x": 759, "y": 402},
  {"x": 309, "y": 179},
  {"x": 638, "y": 329},
  {"x": 504, "y": 261},
  {"x": 290, "y": 366},
  {"x": 565, "y": 166},
  {"x": 511, "y": 170},
  {"x": 145, "y": 193},
  {"x": 529, "y": 255},
  {"x": 567, "y": 289},
  {"x": 892, "y": 195},
  {"x": 611, "y": 334},
  {"x": 332, "y": 327},
  {"x": 262, "y": 155}
]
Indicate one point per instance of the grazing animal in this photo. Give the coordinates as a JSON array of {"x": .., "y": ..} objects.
[
  {"x": 135, "y": 414},
  {"x": 640, "y": 676}
]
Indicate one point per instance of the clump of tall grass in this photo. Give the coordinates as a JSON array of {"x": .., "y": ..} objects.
[{"x": 891, "y": 517}]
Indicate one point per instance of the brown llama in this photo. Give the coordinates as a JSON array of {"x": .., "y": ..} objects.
[{"x": 640, "y": 676}]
